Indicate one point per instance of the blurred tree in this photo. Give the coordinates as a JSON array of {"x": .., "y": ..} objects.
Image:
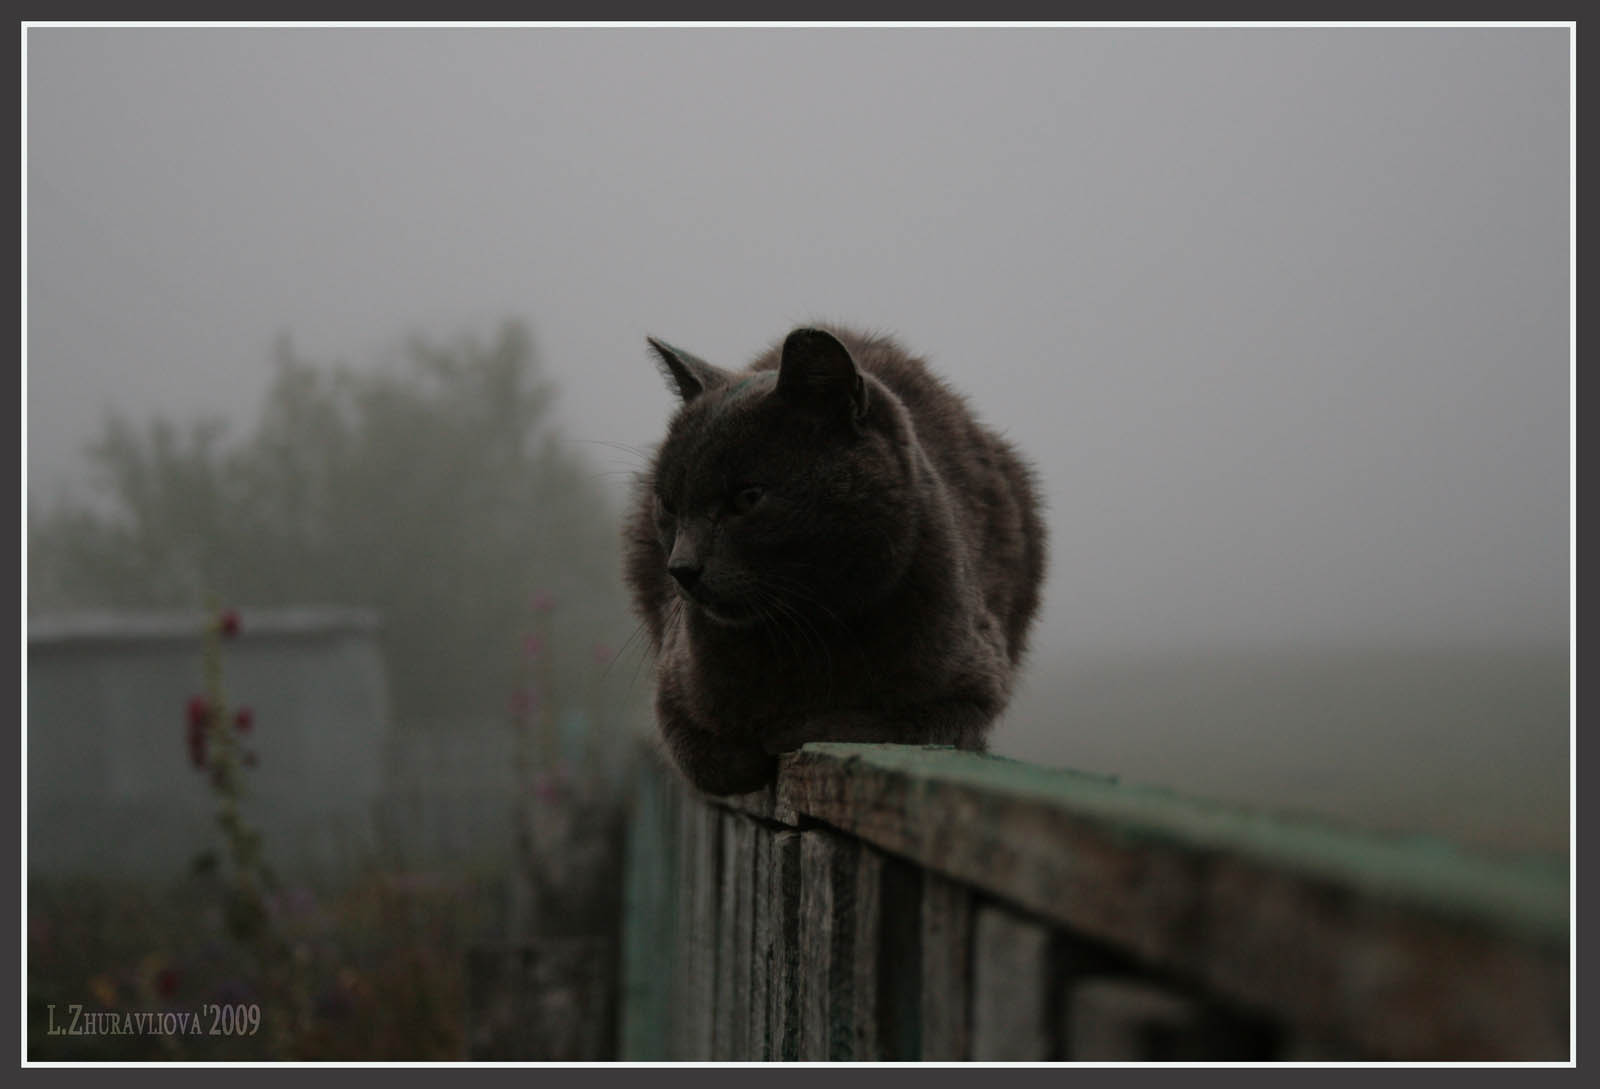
[{"x": 438, "y": 493}]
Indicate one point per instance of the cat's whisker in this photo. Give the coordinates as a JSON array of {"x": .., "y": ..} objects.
[
  {"x": 802, "y": 595},
  {"x": 632, "y": 642},
  {"x": 673, "y": 612},
  {"x": 642, "y": 455},
  {"x": 809, "y": 633},
  {"x": 774, "y": 624},
  {"x": 769, "y": 628}
]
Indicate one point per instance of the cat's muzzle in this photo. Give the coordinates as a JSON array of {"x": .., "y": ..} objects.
[{"x": 719, "y": 610}]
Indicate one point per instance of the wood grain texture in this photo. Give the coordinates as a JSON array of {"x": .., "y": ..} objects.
[
  {"x": 946, "y": 970},
  {"x": 865, "y": 966},
  {"x": 685, "y": 809},
  {"x": 827, "y": 944},
  {"x": 1408, "y": 948},
  {"x": 761, "y": 958},
  {"x": 764, "y": 804},
  {"x": 705, "y": 880},
  {"x": 733, "y": 1036},
  {"x": 1014, "y": 975},
  {"x": 898, "y": 979},
  {"x": 782, "y": 945},
  {"x": 891, "y": 902}
]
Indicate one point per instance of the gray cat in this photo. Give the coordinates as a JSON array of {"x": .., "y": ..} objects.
[{"x": 828, "y": 547}]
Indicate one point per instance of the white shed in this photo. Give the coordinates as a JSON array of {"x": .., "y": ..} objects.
[{"x": 110, "y": 789}]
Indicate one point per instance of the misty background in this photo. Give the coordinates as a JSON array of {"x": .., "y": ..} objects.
[{"x": 1279, "y": 315}]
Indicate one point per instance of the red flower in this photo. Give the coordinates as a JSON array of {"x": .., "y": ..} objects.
[
  {"x": 199, "y": 718},
  {"x": 244, "y": 720},
  {"x": 228, "y": 622},
  {"x": 167, "y": 982}
]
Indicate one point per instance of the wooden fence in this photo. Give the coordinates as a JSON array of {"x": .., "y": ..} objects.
[{"x": 901, "y": 903}]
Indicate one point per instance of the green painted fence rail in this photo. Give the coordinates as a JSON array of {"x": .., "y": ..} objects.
[{"x": 885, "y": 902}]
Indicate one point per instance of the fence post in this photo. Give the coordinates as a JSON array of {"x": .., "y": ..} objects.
[
  {"x": 1013, "y": 975},
  {"x": 780, "y": 945},
  {"x": 827, "y": 942},
  {"x": 946, "y": 969},
  {"x": 736, "y": 940}
]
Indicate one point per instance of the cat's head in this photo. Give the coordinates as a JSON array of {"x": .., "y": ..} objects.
[{"x": 786, "y": 494}]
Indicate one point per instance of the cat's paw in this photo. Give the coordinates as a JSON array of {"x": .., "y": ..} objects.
[
  {"x": 716, "y": 765},
  {"x": 752, "y": 770}
]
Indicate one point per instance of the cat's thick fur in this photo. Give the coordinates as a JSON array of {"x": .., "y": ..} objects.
[{"x": 828, "y": 547}]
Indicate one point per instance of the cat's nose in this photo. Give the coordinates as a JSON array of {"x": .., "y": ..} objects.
[{"x": 687, "y": 574}]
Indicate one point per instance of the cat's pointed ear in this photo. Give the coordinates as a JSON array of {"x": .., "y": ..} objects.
[
  {"x": 689, "y": 374},
  {"x": 817, "y": 369}
]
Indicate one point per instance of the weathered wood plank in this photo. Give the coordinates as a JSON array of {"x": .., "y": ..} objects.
[
  {"x": 939, "y": 789},
  {"x": 760, "y": 945},
  {"x": 736, "y": 941},
  {"x": 827, "y": 946},
  {"x": 683, "y": 988},
  {"x": 706, "y": 880},
  {"x": 722, "y": 983},
  {"x": 1408, "y": 949},
  {"x": 684, "y": 824},
  {"x": 1014, "y": 977},
  {"x": 1357, "y": 954},
  {"x": 781, "y": 946},
  {"x": 763, "y": 804},
  {"x": 865, "y": 956},
  {"x": 946, "y": 970},
  {"x": 898, "y": 979},
  {"x": 1396, "y": 984}
]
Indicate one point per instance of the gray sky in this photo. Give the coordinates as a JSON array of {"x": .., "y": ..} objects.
[{"x": 1281, "y": 315}]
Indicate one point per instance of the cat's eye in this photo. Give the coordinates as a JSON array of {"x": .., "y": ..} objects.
[{"x": 746, "y": 498}]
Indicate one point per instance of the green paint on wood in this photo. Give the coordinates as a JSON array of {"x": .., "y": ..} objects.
[{"x": 1523, "y": 895}]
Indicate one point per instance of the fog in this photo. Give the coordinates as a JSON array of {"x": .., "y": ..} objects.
[{"x": 1280, "y": 316}]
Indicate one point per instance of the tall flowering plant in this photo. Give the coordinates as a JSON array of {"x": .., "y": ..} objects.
[
  {"x": 217, "y": 746},
  {"x": 217, "y": 740}
]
